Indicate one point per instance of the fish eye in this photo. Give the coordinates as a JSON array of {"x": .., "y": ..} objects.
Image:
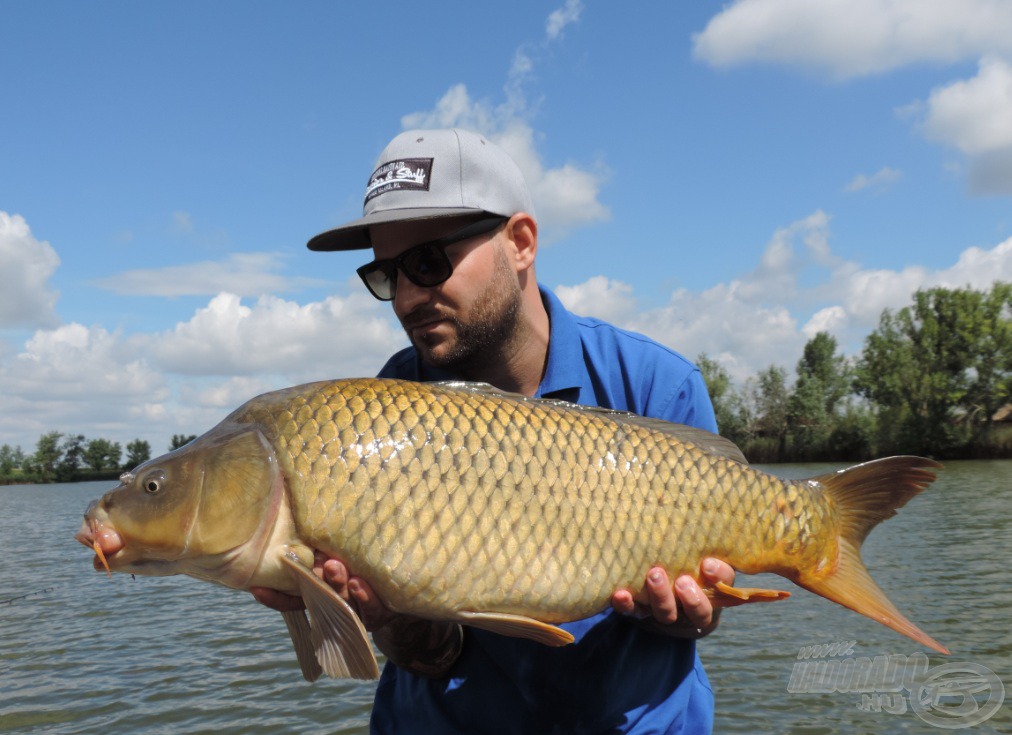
[{"x": 153, "y": 483}]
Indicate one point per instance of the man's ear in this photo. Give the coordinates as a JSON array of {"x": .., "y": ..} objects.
[{"x": 523, "y": 232}]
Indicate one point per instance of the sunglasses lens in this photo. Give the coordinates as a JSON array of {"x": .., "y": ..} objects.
[
  {"x": 427, "y": 266},
  {"x": 379, "y": 283}
]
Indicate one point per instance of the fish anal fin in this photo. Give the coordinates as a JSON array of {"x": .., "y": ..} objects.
[
  {"x": 724, "y": 595},
  {"x": 300, "y": 633},
  {"x": 517, "y": 626},
  {"x": 339, "y": 639}
]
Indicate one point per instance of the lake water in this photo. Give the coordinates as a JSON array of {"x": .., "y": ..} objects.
[{"x": 82, "y": 654}]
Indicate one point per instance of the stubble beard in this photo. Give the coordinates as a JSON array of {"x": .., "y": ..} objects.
[{"x": 488, "y": 337}]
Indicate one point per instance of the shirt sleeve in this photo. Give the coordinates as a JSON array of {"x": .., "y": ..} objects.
[{"x": 687, "y": 403}]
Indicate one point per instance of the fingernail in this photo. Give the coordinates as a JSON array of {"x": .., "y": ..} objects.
[
  {"x": 655, "y": 576},
  {"x": 688, "y": 590},
  {"x": 354, "y": 587},
  {"x": 710, "y": 566}
]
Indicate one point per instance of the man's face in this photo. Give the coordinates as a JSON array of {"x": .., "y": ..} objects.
[{"x": 469, "y": 317}]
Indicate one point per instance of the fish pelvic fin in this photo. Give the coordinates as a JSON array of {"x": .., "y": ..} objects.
[
  {"x": 517, "y": 626},
  {"x": 865, "y": 495},
  {"x": 305, "y": 651},
  {"x": 339, "y": 639},
  {"x": 724, "y": 595}
]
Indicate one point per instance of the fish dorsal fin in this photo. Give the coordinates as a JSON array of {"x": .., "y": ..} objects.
[
  {"x": 338, "y": 636},
  {"x": 707, "y": 441},
  {"x": 517, "y": 626}
]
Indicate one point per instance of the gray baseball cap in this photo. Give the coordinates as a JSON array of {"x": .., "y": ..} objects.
[{"x": 425, "y": 174}]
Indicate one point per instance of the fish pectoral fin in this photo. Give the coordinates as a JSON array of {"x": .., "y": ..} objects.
[
  {"x": 724, "y": 595},
  {"x": 339, "y": 639},
  {"x": 305, "y": 651},
  {"x": 517, "y": 626}
]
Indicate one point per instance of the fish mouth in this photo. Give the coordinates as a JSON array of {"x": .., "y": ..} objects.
[{"x": 101, "y": 539}]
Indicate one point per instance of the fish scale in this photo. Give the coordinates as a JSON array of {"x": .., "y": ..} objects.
[
  {"x": 497, "y": 507},
  {"x": 460, "y": 502}
]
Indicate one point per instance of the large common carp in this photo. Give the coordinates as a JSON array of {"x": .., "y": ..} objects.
[{"x": 458, "y": 502}]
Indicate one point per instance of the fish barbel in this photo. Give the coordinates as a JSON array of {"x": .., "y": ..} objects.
[{"x": 458, "y": 502}]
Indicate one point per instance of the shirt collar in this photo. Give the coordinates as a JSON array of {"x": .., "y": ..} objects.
[{"x": 565, "y": 369}]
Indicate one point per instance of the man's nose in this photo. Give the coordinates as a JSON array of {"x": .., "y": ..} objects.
[{"x": 408, "y": 296}]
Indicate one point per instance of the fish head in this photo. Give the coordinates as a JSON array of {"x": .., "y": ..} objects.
[{"x": 189, "y": 509}]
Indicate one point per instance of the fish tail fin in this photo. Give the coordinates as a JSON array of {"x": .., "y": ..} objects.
[{"x": 866, "y": 495}]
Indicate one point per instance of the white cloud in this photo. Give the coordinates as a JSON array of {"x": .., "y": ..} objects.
[
  {"x": 831, "y": 319},
  {"x": 603, "y": 297},
  {"x": 336, "y": 337},
  {"x": 26, "y": 297},
  {"x": 77, "y": 379},
  {"x": 879, "y": 180},
  {"x": 99, "y": 383},
  {"x": 975, "y": 116},
  {"x": 245, "y": 274},
  {"x": 564, "y": 16},
  {"x": 765, "y": 316},
  {"x": 848, "y": 38},
  {"x": 565, "y": 196}
]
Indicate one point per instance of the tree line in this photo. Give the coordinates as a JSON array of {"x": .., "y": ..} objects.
[
  {"x": 62, "y": 457},
  {"x": 934, "y": 378}
]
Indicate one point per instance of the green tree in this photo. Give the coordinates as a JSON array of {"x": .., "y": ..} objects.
[
  {"x": 73, "y": 452},
  {"x": 823, "y": 380},
  {"x": 47, "y": 456},
  {"x": 764, "y": 409},
  {"x": 990, "y": 374},
  {"x": 101, "y": 454},
  {"x": 138, "y": 452},
  {"x": 11, "y": 459},
  {"x": 180, "y": 440},
  {"x": 935, "y": 368},
  {"x": 726, "y": 403}
]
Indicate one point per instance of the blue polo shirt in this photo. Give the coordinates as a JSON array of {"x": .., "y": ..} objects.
[{"x": 616, "y": 677}]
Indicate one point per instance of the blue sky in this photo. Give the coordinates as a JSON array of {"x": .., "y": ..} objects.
[{"x": 724, "y": 177}]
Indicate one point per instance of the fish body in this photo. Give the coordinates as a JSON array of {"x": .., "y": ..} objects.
[{"x": 463, "y": 503}]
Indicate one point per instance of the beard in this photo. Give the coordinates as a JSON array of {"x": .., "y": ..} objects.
[{"x": 487, "y": 335}]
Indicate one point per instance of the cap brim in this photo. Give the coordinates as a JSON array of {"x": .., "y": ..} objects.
[{"x": 352, "y": 236}]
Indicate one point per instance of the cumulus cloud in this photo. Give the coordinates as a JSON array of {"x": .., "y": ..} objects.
[
  {"x": 336, "y": 337},
  {"x": 881, "y": 179},
  {"x": 603, "y": 297},
  {"x": 89, "y": 380},
  {"x": 77, "y": 379},
  {"x": 850, "y": 38},
  {"x": 975, "y": 116},
  {"x": 566, "y": 195},
  {"x": 766, "y": 315},
  {"x": 27, "y": 299},
  {"x": 245, "y": 274}
]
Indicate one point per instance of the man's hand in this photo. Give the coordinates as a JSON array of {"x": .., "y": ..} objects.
[{"x": 682, "y": 610}]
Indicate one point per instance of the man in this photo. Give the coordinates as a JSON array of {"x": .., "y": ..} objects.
[{"x": 450, "y": 222}]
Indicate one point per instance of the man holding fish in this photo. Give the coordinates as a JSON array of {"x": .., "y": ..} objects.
[{"x": 450, "y": 221}]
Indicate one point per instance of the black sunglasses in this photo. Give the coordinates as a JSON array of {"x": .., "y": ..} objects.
[{"x": 425, "y": 264}]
